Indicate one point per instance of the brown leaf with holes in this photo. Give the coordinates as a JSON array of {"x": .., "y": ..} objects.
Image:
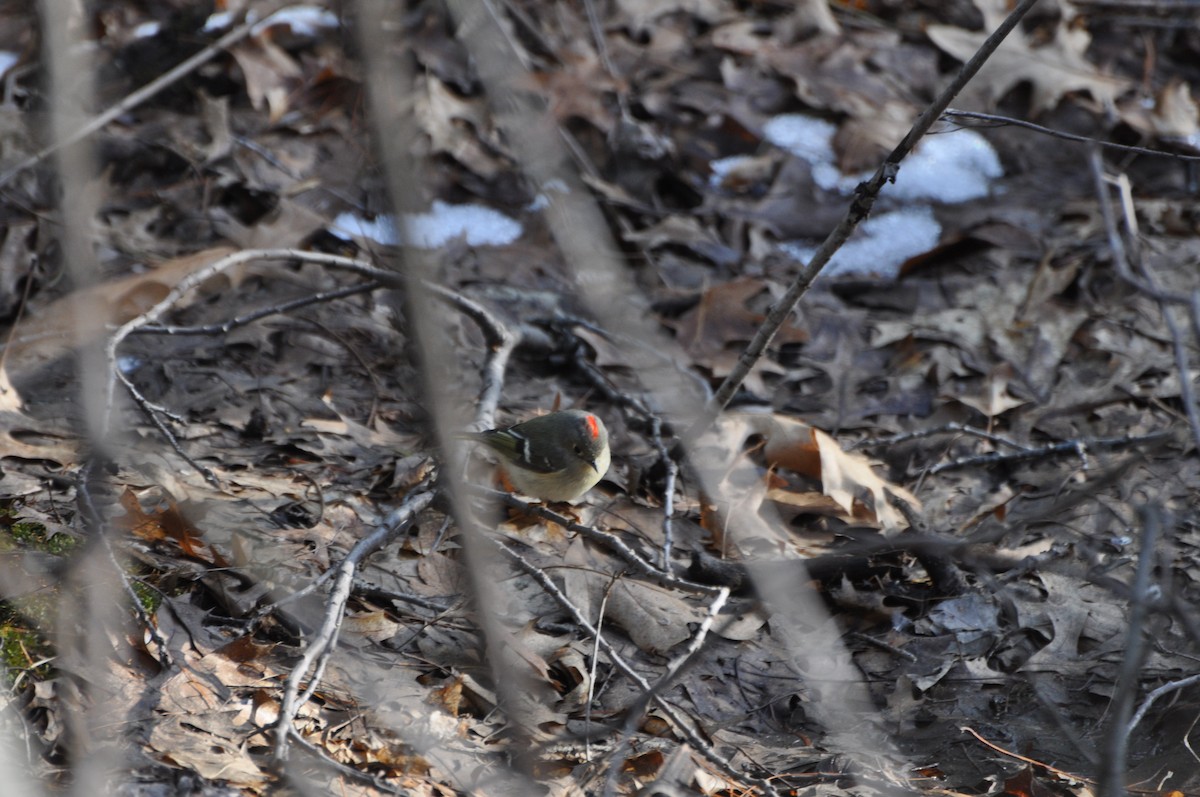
[
  {"x": 458, "y": 127},
  {"x": 1054, "y": 69}
]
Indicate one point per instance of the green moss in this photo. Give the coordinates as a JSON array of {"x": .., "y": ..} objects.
[
  {"x": 21, "y": 646},
  {"x": 28, "y": 622},
  {"x": 29, "y": 535},
  {"x": 25, "y": 620},
  {"x": 147, "y": 596}
]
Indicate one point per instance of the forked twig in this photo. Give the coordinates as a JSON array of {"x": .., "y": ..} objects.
[
  {"x": 684, "y": 728},
  {"x": 324, "y": 641},
  {"x": 634, "y": 713},
  {"x": 604, "y": 539}
]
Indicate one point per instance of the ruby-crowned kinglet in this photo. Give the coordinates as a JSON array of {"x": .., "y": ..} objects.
[{"x": 555, "y": 457}]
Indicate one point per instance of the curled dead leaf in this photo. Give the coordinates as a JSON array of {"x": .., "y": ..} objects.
[{"x": 848, "y": 479}]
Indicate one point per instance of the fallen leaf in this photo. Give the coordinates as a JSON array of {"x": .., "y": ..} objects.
[
  {"x": 1053, "y": 69},
  {"x": 995, "y": 399},
  {"x": 166, "y": 522},
  {"x": 656, "y": 619},
  {"x": 1176, "y": 114},
  {"x": 269, "y": 72},
  {"x": 716, "y": 330},
  {"x": 56, "y": 330},
  {"x": 577, "y": 90},
  {"x": 459, "y": 127},
  {"x": 847, "y": 478},
  {"x": 375, "y": 625}
]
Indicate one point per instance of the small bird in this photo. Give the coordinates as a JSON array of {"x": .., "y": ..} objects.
[{"x": 554, "y": 457}]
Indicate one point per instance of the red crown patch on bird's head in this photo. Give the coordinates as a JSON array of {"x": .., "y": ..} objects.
[{"x": 593, "y": 427}]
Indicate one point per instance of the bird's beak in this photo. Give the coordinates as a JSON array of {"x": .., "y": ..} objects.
[{"x": 592, "y": 462}]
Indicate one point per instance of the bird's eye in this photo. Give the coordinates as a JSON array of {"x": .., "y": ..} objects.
[{"x": 578, "y": 450}]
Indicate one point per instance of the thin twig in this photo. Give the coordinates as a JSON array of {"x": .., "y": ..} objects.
[
  {"x": 952, "y": 114},
  {"x": 1165, "y": 689},
  {"x": 209, "y": 271},
  {"x": 591, "y": 696},
  {"x": 949, "y": 428},
  {"x": 145, "y": 322},
  {"x": 1187, "y": 391},
  {"x": 1116, "y": 244},
  {"x": 1112, "y": 776},
  {"x": 881, "y": 645},
  {"x": 322, "y": 756},
  {"x": 152, "y": 412},
  {"x": 501, "y": 341},
  {"x": 1144, "y": 281},
  {"x": 1068, "y": 447},
  {"x": 602, "y": 538},
  {"x": 139, "y": 96},
  {"x": 681, "y": 662},
  {"x": 324, "y": 641},
  {"x": 99, "y": 529},
  {"x": 681, "y": 726},
  {"x": 225, "y": 327},
  {"x": 1070, "y": 777},
  {"x": 593, "y": 17}
]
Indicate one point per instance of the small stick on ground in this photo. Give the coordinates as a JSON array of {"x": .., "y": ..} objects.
[
  {"x": 606, "y": 540},
  {"x": 501, "y": 342},
  {"x": 324, "y": 641},
  {"x": 1116, "y": 743},
  {"x": 681, "y": 726},
  {"x": 949, "y": 428},
  {"x": 1144, "y": 281},
  {"x": 992, "y": 120},
  {"x": 1077, "y": 448}
]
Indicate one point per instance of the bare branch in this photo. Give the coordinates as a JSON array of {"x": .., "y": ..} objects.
[{"x": 324, "y": 641}]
